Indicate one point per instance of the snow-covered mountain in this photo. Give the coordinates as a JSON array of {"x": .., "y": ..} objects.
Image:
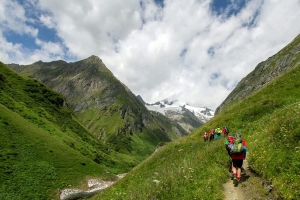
[
  {"x": 181, "y": 112},
  {"x": 167, "y": 106}
]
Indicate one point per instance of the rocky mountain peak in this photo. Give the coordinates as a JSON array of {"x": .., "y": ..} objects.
[
  {"x": 92, "y": 65},
  {"x": 93, "y": 58},
  {"x": 188, "y": 117}
]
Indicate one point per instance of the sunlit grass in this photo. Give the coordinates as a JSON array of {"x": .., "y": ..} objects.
[
  {"x": 192, "y": 169},
  {"x": 43, "y": 149}
]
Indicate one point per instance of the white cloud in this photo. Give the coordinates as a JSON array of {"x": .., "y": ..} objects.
[
  {"x": 12, "y": 18},
  {"x": 182, "y": 50},
  {"x": 10, "y": 51},
  {"x": 92, "y": 27}
]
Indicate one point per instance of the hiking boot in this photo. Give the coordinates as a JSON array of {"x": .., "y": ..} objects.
[
  {"x": 235, "y": 181},
  {"x": 231, "y": 175}
]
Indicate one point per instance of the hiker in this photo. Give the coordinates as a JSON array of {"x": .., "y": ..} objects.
[
  {"x": 238, "y": 154},
  {"x": 225, "y": 131},
  {"x": 205, "y": 135},
  {"x": 228, "y": 142},
  {"x": 218, "y": 132},
  {"x": 211, "y": 134}
]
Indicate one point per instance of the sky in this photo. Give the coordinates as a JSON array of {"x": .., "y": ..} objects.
[{"x": 193, "y": 51}]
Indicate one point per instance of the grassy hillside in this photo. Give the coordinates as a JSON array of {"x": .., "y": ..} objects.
[
  {"x": 43, "y": 146},
  {"x": 191, "y": 169},
  {"x": 174, "y": 129},
  {"x": 266, "y": 71},
  {"x": 105, "y": 106}
]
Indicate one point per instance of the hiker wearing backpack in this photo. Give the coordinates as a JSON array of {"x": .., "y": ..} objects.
[
  {"x": 218, "y": 132},
  {"x": 238, "y": 154},
  {"x": 228, "y": 142}
]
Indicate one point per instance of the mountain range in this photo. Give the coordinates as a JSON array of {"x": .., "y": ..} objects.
[
  {"x": 104, "y": 105},
  {"x": 165, "y": 106},
  {"x": 264, "y": 108},
  {"x": 109, "y": 114},
  {"x": 62, "y": 123},
  {"x": 186, "y": 116}
]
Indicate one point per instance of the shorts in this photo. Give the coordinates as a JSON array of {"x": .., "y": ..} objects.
[{"x": 237, "y": 163}]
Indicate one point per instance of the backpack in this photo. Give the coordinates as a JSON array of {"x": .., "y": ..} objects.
[
  {"x": 227, "y": 129},
  {"x": 237, "y": 147}
]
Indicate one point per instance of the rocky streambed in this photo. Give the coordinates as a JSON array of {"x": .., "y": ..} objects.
[{"x": 94, "y": 185}]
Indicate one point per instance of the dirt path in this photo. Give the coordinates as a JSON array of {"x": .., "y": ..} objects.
[{"x": 236, "y": 192}]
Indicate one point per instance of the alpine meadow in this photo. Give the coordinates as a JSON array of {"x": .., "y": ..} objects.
[
  {"x": 267, "y": 116},
  {"x": 60, "y": 127}
]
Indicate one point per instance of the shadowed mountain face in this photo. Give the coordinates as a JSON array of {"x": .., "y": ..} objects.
[
  {"x": 276, "y": 65},
  {"x": 78, "y": 82},
  {"x": 103, "y": 104}
]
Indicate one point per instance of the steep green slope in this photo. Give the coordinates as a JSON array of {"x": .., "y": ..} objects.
[
  {"x": 174, "y": 129},
  {"x": 105, "y": 106},
  {"x": 266, "y": 71},
  {"x": 43, "y": 146},
  {"x": 191, "y": 169}
]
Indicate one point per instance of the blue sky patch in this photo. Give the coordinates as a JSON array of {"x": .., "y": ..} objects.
[
  {"x": 227, "y": 7},
  {"x": 47, "y": 34},
  {"x": 159, "y": 3},
  {"x": 27, "y": 41}
]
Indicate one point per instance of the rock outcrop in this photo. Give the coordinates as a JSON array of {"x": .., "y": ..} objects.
[{"x": 284, "y": 60}]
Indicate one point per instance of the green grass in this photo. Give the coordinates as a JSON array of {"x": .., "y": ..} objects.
[
  {"x": 175, "y": 172},
  {"x": 109, "y": 111},
  {"x": 43, "y": 146},
  {"x": 191, "y": 169}
]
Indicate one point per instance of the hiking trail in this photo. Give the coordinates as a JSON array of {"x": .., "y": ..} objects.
[
  {"x": 236, "y": 192},
  {"x": 253, "y": 186}
]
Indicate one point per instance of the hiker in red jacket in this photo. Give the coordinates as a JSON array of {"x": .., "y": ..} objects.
[
  {"x": 225, "y": 131},
  {"x": 228, "y": 142},
  {"x": 211, "y": 134},
  {"x": 238, "y": 154},
  {"x": 205, "y": 135}
]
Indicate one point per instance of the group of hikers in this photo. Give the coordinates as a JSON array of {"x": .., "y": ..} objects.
[
  {"x": 215, "y": 134},
  {"x": 236, "y": 148}
]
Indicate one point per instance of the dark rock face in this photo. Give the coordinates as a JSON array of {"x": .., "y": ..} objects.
[
  {"x": 85, "y": 84},
  {"x": 141, "y": 99},
  {"x": 265, "y": 72}
]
